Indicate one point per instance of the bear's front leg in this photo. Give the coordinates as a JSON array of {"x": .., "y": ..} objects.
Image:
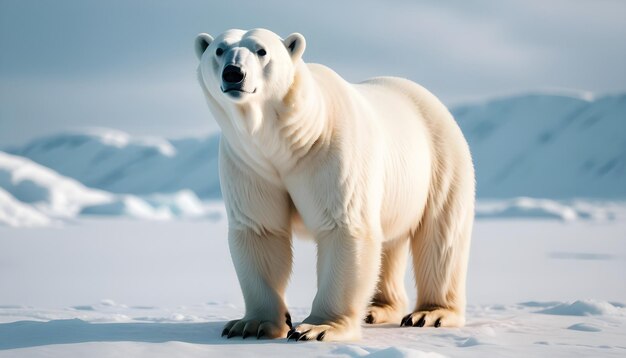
[
  {"x": 263, "y": 264},
  {"x": 347, "y": 271}
]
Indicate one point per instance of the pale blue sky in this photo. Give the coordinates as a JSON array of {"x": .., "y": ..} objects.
[{"x": 130, "y": 65}]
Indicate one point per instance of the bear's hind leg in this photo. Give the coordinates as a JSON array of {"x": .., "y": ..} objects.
[
  {"x": 390, "y": 300},
  {"x": 440, "y": 249}
]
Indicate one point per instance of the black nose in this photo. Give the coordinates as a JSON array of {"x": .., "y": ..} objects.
[{"x": 233, "y": 74}]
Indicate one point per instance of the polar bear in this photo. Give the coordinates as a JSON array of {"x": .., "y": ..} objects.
[{"x": 369, "y": 170}]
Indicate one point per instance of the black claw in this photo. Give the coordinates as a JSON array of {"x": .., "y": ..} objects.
[
  {"x": 231, "y": 334},
  {"x": 402, "y": 323},
  {"x": 260, "y": 334},
  {"x": 320, "y": 336},
  {"x": 369, "y": 319},
  {"x": 225, "y": 331},
  {"x": 421, "y": 322},
  {"x": 407, "y": 321},
  {"x": 303, "y": 337},
  {"x": 288, "y": 319},
  {"x": 295, "y": 336},
  {"x": 245, "y": 334},
  {"x": 290, "y": 332},
  {"x": 438, "y": 323}
]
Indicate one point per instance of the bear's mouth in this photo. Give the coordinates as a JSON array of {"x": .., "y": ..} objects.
[{"x": 236, "y": 90}]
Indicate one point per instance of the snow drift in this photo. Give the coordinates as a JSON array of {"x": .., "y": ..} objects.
[
  {"x": 114, "y": 161},
  {"x": 584, "y": 308},
  {"x": 47, "y": 191},
  {"x": 33, "y": 195},
  {"x": 17, "y": 214}
]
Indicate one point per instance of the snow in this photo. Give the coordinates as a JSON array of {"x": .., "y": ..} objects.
[
  {"x": 547, "y": 146},
  {"x": 128, "y": 205},
  {"x": 584, "y": 308},
  {"x": 122, "y": 139},
  {"x": 17, "y": 214},
  {"x": 565, "y": 210},
  {"x": 120, "y": 287},
  {"x": 48, "y": 192},
  {"x": 117, "y": 162},
  {"x": 184, "y": 203},
  {"x": 584, "y": 327},
  {"x": 33, "y": 195}
]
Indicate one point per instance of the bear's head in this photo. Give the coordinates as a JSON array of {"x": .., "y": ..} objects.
[{"x": 240, "y": 66}]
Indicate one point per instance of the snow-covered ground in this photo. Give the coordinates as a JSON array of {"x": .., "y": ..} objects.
[{"x": 110, "y": 287}]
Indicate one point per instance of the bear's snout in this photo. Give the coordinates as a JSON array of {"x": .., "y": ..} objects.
[{"x": 233, "y": 74}]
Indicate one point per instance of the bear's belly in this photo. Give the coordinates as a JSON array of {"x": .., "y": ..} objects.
[
  {"x": 407, "y": 158},
  {"x": 403, "y": 207},
  {"x": 407, "y": 182}
]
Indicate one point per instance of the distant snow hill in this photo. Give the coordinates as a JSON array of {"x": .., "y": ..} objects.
[
  {"x": 33, "y": 195},
  {"x": 548, "y": 146},
  {"x": 557, "y": 149},
  {"x": 114, "y": 161}
]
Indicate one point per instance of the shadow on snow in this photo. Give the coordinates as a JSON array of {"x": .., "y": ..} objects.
[{"x": 24, "y": 334}]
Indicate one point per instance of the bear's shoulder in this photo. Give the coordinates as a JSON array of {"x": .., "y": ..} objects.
[
  {"x": 326, "y": 78},
  {"x": 319, "y": 71}
]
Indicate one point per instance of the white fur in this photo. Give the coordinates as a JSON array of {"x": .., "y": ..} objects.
[{"x": 368, "y": 169}]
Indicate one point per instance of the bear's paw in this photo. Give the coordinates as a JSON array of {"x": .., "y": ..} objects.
[
  {"x": 258, "y": 328},
  {"x": 440, "y": 317}
]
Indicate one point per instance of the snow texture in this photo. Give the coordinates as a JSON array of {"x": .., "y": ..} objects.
[
  {"x": 116, "y": 287},
  {"x": 114, "y": 161},
  {"x": 584, "y": 308},
  {"x": 548, "y": 146},
  {"x": 33, "y": 195},
  {"x": 17, "y": 214},
  {"x": 46, "y": 190},
  {"x": 565, "y": 210}
]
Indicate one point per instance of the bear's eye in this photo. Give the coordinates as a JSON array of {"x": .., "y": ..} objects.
[
  {"x": 261, "y": 52},
  {"x": 219, "y": 51}
]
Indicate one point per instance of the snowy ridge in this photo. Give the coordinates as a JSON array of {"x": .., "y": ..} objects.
[
  {"x": 565, "y": 210},
  {"x": 121, "y": 139},
  {"x": 116, "y": 162},
  {"x": 548, "y": 146},
  {"x": 33, "y": 195},
  {"x": 46, "y": 190},
  {"x": 17, "y": 214},
  {"x": 544, "y": 92},
  {"x": 586, "y": 308}
]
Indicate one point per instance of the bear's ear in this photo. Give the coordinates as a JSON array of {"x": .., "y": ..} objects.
[
  {"x": 295, "y": 44},
  {"x": 202, "y": 42}
]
